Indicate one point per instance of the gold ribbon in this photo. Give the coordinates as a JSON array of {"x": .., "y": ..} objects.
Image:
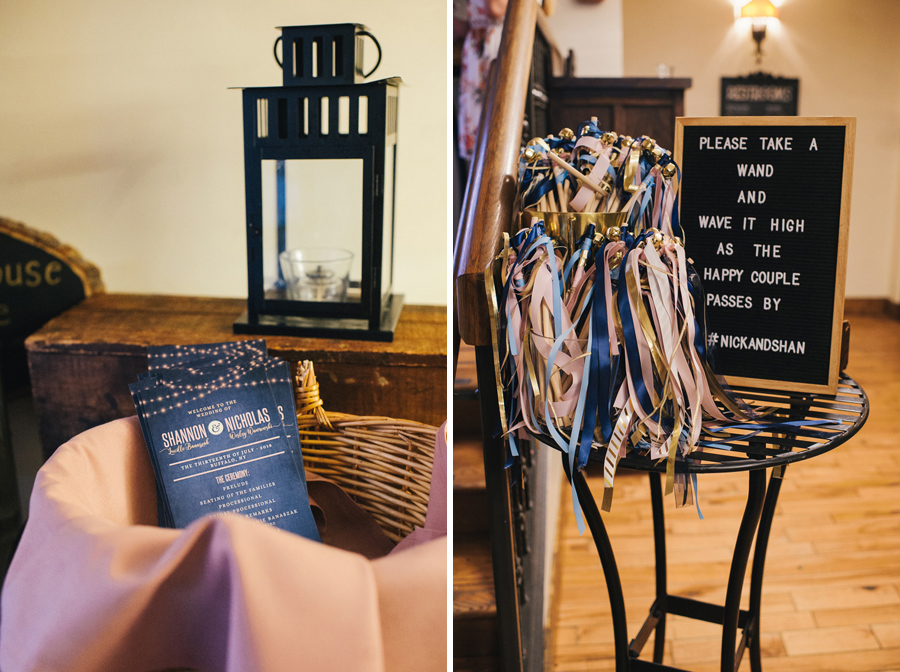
[
  {"x": 633, "y": 169},
  {"x": 673, "y": 451},
  {"x": 494, "y": 310},
  {"x": 637, "y": 301},
  {"x": 612, "y": 453}
]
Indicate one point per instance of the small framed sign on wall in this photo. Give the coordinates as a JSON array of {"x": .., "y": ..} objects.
[
  {"x": 765, "y": 208},
  {"x": 759, "y": 95}
]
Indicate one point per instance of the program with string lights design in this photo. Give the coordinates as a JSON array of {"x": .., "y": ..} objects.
[
  {"x": 765, "y": 205},
  {"x": 221, "y": 431}
]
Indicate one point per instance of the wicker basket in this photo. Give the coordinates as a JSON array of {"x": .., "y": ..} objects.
[{"x": 383, "y": 464}]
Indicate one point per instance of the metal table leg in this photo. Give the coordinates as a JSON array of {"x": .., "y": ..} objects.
[
  {"x": 659, "y": 543},
  {"x": 756, "y": 523},
  {"x": 610, "y": 571},
  {"x": 759, "y": 563},
  {"x": 755, "y": 496}
]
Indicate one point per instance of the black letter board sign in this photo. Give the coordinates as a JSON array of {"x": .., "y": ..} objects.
[{"x": 765, "y": 205}]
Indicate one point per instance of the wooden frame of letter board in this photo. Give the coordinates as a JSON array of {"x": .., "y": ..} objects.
[{"x": 849, "y": 123}]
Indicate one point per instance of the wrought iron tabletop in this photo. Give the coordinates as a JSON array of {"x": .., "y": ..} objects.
[{"x": 844, "y": 412}]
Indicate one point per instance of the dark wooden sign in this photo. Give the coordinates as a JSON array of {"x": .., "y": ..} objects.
[
  {"x": 765, "y": 204},
  {"x": 759, "y": 94},
  {"x": 39, "y": 279}
]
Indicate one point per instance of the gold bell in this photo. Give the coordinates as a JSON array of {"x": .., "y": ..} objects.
[
  {"x": 669, "y": 170},
  {"x": 606, "y": 183},
  {"x": 609, "y": 138},
  {"x": 613, "y": 233},
  {"x": 566, "y": 134}
]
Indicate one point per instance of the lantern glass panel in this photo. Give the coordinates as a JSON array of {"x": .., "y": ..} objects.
[{"x": 311, "y": 204}]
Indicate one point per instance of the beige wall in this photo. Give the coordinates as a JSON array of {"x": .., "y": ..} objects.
[
  {"x": 119, "y": 134},
  {"x": 594, "y": 32},
  {"x": 846, "y": 56}
]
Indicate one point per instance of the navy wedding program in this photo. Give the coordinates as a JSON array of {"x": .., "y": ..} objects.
[{"x": 220, "y": 425}]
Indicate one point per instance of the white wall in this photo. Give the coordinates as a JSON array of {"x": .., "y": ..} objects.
[
  {"x": 120, "y": 136},
  {"x": 846, "y": 56},
  {"x": 594, "y": 32}
]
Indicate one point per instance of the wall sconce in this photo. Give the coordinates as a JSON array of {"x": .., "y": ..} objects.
[{"x": 760, "y": 12}]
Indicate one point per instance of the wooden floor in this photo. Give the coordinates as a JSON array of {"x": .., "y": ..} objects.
[{"x": 831, "y": 594}]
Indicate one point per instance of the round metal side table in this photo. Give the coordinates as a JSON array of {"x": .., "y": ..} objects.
[{"x": 844, "y": 412}]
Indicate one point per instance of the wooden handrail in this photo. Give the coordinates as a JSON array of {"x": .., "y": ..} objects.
[{"x": 488, "y": 206}]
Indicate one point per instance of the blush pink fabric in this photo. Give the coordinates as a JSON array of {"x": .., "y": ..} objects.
[
  {"x": 96, "y": 586},
  {"x": 436, "y": 516}
]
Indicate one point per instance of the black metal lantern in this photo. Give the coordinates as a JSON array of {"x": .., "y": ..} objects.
[{"x": 319, "y": 165}]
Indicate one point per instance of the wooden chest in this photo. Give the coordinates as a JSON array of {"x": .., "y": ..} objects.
[{"x": 82, "y": 362}]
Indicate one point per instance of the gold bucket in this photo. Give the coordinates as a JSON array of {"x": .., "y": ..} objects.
[{"x": 567, "y": 228}]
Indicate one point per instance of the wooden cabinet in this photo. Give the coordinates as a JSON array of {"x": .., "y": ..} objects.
[
  {"x": 83, "y": 361},
  {"x": 628, "y": 105}
]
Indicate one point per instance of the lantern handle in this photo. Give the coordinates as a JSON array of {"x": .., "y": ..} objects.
[
  {"x": 275, "y": 52},
  {"x": 378, "y": 47}
]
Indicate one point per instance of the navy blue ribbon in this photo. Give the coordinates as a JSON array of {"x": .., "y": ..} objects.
[
  {"x": 598, "y": 403},
  {"x": 589, "y": 128}
]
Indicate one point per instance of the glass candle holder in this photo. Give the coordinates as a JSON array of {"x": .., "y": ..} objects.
[{"x": 316, "y": 273}]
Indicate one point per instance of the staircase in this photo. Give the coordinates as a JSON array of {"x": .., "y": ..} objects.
[{"x": 476, "y": 646}]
